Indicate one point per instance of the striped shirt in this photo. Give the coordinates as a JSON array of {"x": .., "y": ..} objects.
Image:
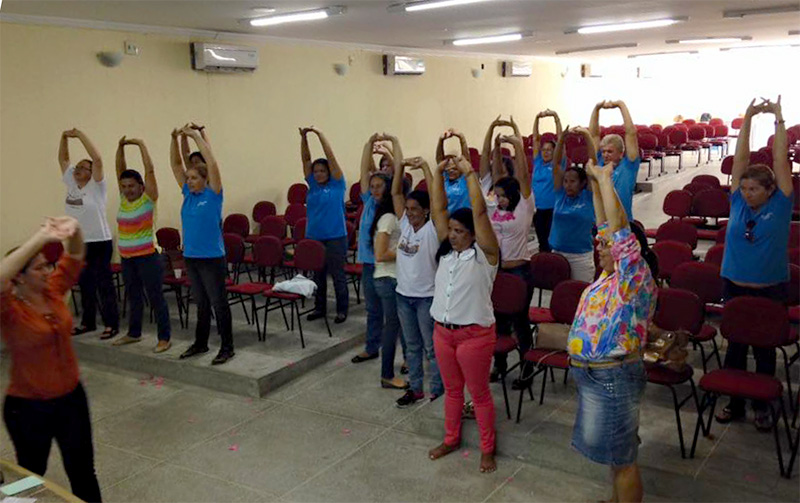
[{"x": 135, "y": 221}]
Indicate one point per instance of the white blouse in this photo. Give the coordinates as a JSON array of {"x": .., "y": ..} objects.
[{"x": 463, "y": 290}]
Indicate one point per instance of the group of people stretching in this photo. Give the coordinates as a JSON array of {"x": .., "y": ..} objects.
[{"x": 430, "y": 258}]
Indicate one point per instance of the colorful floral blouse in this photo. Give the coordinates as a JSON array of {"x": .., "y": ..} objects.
[{"x": 614, "y": 312}]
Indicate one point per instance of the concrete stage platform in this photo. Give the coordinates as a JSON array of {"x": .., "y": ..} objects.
[{"x": 258, "y": 367}]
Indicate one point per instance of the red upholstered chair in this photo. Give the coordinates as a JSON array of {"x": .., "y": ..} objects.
[
  {"x": 758, "y": 322},
  {"x": 727, "y": 168},
  {"x": 719, "y": 138},
  {"x": 670, "y": 255},
  {"x": 169, "y": 240},
  {"x": 656, "y": 128},
  {"x": 267, "y": 254},
  {"x": 309, "y": 256},
  {"x": 547, "y": 271},
  {"x": 261, "y": 210},
  {"x": 794, "y": 256},
  {"x": 236, "y": 223},
  {"x": 352, "y": 206},
  {"x": 693, "y": 141},
  {"x": 710, "y": 180},
  {"x": 234, "y": 254},
  {"x": 294, "y": 212},
  {"x": 703, "y": 280},
  {"x": 298, "y": 232},
  {"x": 689, "y": 122},
  {"x": 475, "y": 158},
  {"x": 677, "y": 230},
  {"x": 694, "y": 188},
  {"x": 508, "y": 298},
  {"x": 352, "y": 270},
  {"x": 563, "y": 305},
  {"x": 677, "y": 205},
  {"x": 422, "y": 185},
  {"x": 794, "y": 235},
  {"x": 716, "y": 121},
  {"x": 273, "y": 226},
  {"x": 668, "y": 148},
  {"x": 714, "y": 255},
  {"x": 648, "y": 143},
  {"x": 711, "y": 203},
  {"x": 297, "y": 193},
  {"x": 578, "y": 155},
  {"x": 676, "y": 310}
]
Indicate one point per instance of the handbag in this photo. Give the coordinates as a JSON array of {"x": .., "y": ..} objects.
[{"x": 667, "y": 348}]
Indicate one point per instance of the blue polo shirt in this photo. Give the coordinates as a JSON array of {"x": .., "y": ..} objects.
[
  {"x": 366, "y": 249},
  {"x": 457, "y": 193},
  {"x": 325, "y": 209},
  {"x": 542, "y": 182},
  {"x": 765, "y": 259},
  {"x": 573, "y": 220},
  {"x": 201, "y": 218},
  {"x": 624, "y": 178}
]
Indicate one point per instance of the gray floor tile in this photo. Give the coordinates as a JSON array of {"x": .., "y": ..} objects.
[{"x": 538, "y": 484}]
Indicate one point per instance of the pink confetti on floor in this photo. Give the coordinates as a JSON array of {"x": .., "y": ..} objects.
[
  {"x": 191, "y": 420},
  {"x": 465, "y": 454},
  {"x": 346, "y": 431},
  {"x": 290, "y": 364},
  {"x": 510, "y": 479},
  {"x": 248, "y": 400},
  {"x": 234, "y": 447},
  {"x": 142, "y": 383},
  {"x": 751, "y": 478}
]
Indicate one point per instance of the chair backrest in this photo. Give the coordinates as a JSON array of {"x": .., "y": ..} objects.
[
  {"x": 794, "y": 285},
  {"x": 710, "y": 180},
  {"x": 578, "y": 154},
  {"x": 720, "y": 131},
  {"x": 236, "y": 223},
  {"x": 297, "y": 193},
  {"x": 761, "y": 157},
  {"x": 352, "y": 235},
  {"x": 656, "y": 128},
  {"x": 670, "y": 255},
  {"x": 794, "y": 256},
  {"x": 737, "y": 123},
  {"x": 678, "y": 203},
  {"x": 663, "y": 141},
  {"x": 694, "y": 188},
  {"x": 565, "y": 300},
  {"x": 509, "y": 294},
  {"x": 545, "y": 137},
  {"x": 677, "y": 230},
  {"x": 422, "y": 185},
  {"x": 299, "y": 229},
  {"x": 273, "y": 226},
  {"x": 727, "y": 165},
  {"x": 294, "y": 212},
  {"x": 309, "y": 255},
  {"x": 549, "y": 269},
  {"x": 678, "y": 309},
  {"x": 709, "y": 130},
  {"x": 714, "y": 255},
  {"x": 701, "y": 278},
  {"x": 711, "y": 203},
  {"x": 794, "y": 235},
  {"x": 267, "y": 251},
  {"x": 689, "y": 122},
  {"x": 475, "y": 158},
  {"x": 697, "y": 133},
  {"x": 721, "y": 233},
  {"x": 168, "y": 238},
  {"x": 52, "y": 251},
  {"x": 716, "y": 121},
  {"x": 234, "y": 247},
  {"x": 648, "y": 141},
  {"x": 263, "y": 209},
  {"x": 677, "y": 137},
  {"x": 355, "y": 194},
  {"x": 755, "y": 321}
]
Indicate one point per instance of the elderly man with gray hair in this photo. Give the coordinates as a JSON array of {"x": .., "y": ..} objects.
[{"x": 623, "y": 155}]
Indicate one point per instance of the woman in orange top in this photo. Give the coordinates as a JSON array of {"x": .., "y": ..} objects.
[{"x": 45, "y": 398}]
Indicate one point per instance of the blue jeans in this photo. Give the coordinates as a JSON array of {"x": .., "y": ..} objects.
[
  {"x": 145, "y": 274},
  {"x": 415, "y": 319},
  {"x": 374, "y": 310},
  {"x": 385, "y": 288}
]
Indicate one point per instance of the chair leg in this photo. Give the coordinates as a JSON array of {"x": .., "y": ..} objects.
[
  {"x": 702, "y": 356},
  {"x": 678, "y": 419},
  {"x": 708, "y": 401},
  {"x": 544, "y": 384},
  {"x": 786, "y": 367},
  {"x": 244, "y": 308},
  {"x": 328, "y": 326},
  {"x": 522, "y": 393},
  {"x": 775, "y": 418},
  {"x": 505, "y": 394},
  {"x": 716, "y": 352},
  {"x": 296, "y": 310}
]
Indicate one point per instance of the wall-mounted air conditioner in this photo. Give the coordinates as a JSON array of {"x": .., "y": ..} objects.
[
  {"x": 223, "y": 58},
  {"x": 517, "y": 69},
  {"x": 589, "y": 71},
  {"x": 402, "y": 65}
]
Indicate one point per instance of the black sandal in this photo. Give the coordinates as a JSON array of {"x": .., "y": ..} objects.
[
  {"x": 82, "y": 329},
  {"x": 726, "y": 415},
  {"x": 109, "y": 333}
]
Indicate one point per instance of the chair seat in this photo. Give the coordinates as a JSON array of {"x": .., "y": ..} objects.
[
  {"x": 289, "y": 242},
  {"x": 714, "y": 309},
  {"x": 707, "y": 332},
  {"x": 651, "y": 233},
  {"x": 794, "y": 336},
  {"x": 694, "y": 221},
  {"x": 248, "y": 259},
  {"x": 252, "y": 238},
  {"x": 540, "y": 315},
  {"x": 794, "y": 314},
  {"x": 354, "y": 269},
  {"x": 269, "y": 292},
  {"x": 658, "y": 374},
  {"x": 288, "y": 263},
  {"x": 740, "y": 383},
  {"x": 116, "y": 268},
  {"x": 557, "y": 358},
  {"x": 707, "y": 234},
  {"x": 690, "y": 147},
  {"x": 505, "y": 344},
  {"x": 253, "y": 288}
]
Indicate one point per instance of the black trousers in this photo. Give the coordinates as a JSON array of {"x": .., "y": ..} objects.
[
  {"x": 736, "y": 356},
  {"x": 520, "y": 322},
  {"x": 542, "y": 223},
  {"x": 146, "y": 274},
  {"x": 335, "y": 258},
  {"x": 32, "y": 425},
  {"x": 207, "y": 276},
  {"x": 95, "y": 281}
]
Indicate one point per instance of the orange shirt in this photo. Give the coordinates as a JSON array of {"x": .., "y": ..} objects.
[{"x": 43, "y": 363}]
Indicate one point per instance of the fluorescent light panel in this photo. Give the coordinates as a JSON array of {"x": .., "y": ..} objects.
[
  {"x": 436, "y": 4},
  {"x": 710, "y": 40},
  {"x": 293, "y": 17},
  {"x": 775, "y": 9},
  {"x": 765, "y": 46},
  {"x": 598, "y": 48},
  {"x": 652, "y": 54},
  {"x": 636, "y": 25},
  {"x": 511, "y": 37}
]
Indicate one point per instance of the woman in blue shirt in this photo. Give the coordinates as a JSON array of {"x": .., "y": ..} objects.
[
  {"x": 542, "y": 181},
  {"x": 203, "y": 248},
  {"x": 325, "y": 223},
  {"x": 455, "y": 185},
  {"x": 756, "y": 261},
  {"x": 573, "y": 215}
]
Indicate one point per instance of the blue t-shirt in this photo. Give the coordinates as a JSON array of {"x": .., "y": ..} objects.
[
  {"x": 573, "y": 220},
  {"x": 457, "y": 193},
  {"x": 542, "y": 182},
  {"x": 366, "y": 249},
  {"x": 765, "y": 259},
  {"x": 201, "y": 217},
  {"x": 624, "y": 178},
  {"x": 325, "y": 209}
]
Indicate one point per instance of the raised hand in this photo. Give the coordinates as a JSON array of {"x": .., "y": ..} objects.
[
  {"x": 770, "y": 107},
  {"x": 597, "y": 172},
  {"x": 414, "y": 163},
  {"x": 124, "y": 141},
  {"x": 463, "y": 165},
  {"x": 444, "y": 165}
]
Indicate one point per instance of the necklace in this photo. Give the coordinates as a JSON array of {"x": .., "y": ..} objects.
[{"x": 48, "y": 315}]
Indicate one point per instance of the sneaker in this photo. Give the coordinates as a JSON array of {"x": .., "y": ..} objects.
[
  {"x": 126, "y": 340},
  {"x": 410, "y": 398},
  {"x": 222, "y": 357},
  {"x": 162, "y": 346}
]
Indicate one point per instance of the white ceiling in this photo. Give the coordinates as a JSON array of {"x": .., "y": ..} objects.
[{"x": 368, "y": 21}]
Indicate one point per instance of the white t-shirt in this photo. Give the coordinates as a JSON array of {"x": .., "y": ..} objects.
[
  {"x": 512, "y": 228},
  {"x": 88, "y": 206},
  {"x": 416, "y": 259},
  {"x": 464, "y": 283},
  {"x": 387, "y": 224}
]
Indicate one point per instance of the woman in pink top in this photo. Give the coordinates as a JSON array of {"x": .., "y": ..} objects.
[{"x": 511, "y": 220}]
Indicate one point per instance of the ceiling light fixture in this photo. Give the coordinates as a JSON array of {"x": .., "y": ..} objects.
[
  {"x": 293, "y": 17},
  {"x": 775, "y": 9},
  {"x": 653, "y": 54},
  {"x": 765, "y": 46},
  {"x": 597, "y": 48},
  {"x": 794, "y": 32},
  {"x": 709, "y": 40},
  {"x": 429, "y": 4},
  {"x": 495, "y": 39},
  {"x": 636, "y": 25}
]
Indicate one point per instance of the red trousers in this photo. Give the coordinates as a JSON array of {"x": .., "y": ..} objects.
[{"x": 465, "y": 357}]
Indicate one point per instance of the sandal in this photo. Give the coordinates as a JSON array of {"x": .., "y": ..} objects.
[
  {"x": 468, "y": 412},
  {"x": 82, "y": 329},
  {"x": 726, "y": 415},
  {"x": 763, "y": 421},
  {"x": 108, "y": 333}
]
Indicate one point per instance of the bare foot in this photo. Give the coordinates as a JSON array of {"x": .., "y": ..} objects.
[
  {"x": 488, "y": 463},
  {"x": 442, "y": 450}
]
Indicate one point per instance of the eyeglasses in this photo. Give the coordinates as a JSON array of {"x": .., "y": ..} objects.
[{"x": 749, "y": 234}]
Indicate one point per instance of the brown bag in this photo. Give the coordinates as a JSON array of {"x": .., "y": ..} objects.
[
  {"x": 552, "y": 336},
  {"x": 667, "y": 349}
]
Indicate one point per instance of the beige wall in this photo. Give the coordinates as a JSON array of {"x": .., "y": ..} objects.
[{"x": 50, "y": 81}]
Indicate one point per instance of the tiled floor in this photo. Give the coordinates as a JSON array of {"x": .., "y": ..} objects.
[{"x": 335, "y": 435}]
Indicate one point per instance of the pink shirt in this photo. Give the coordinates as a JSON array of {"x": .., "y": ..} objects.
[{"x": 512, "y": 228}]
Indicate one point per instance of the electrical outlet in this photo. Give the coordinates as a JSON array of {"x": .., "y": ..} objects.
[{"x": 131, "y": 49}]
